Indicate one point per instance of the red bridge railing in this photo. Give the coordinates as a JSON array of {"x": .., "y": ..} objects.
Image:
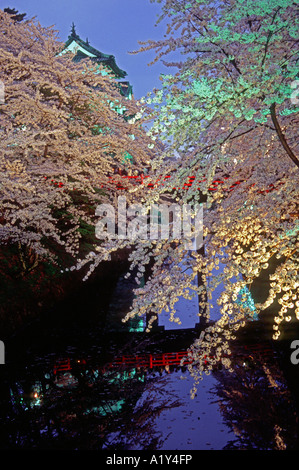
[
  {"x": 150, "y": 361},
  {"x": 146, "y": 360}
]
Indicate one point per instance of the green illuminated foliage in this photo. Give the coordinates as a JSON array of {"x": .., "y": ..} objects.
[{"x": 230, "y": 114}]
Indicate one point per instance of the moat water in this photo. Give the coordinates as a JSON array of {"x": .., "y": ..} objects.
[{"x": 87, "y": 407}]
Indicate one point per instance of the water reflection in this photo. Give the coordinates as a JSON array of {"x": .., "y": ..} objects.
[
  {"x": 257, "y": 405},
  {"x": 195, "y": 424},
  {"x": 90, "y": 407},
  {"x": 83, "y": 408},
  {"x": 63, "y": 397}
]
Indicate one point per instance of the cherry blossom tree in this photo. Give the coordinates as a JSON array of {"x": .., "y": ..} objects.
[
  {"x": 223, "y": 133},
  {"x": 61, "y": 140},
  {"x": 228, "y": 120}
]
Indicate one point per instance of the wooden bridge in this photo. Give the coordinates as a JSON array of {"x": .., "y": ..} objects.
[{"x": 150, "y": 361}]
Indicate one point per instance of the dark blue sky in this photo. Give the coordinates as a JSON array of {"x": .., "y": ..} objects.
[{"x": 112, "y": 26}]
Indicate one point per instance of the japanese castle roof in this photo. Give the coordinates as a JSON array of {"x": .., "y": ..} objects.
[{"x": 83, "y": 50}]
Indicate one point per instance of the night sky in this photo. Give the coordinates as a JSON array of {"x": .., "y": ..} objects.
[{"x": 111, "y": 26}]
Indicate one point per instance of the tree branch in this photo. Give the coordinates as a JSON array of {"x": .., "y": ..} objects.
[
  {"x": 281, "y": 136},
  {"x": 232, "y": 61}
]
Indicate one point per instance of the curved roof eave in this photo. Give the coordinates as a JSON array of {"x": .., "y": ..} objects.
[{"x": 108, "y": 59}]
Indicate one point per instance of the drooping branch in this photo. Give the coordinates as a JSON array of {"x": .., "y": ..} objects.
[{"x": 281, "y": 136}]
